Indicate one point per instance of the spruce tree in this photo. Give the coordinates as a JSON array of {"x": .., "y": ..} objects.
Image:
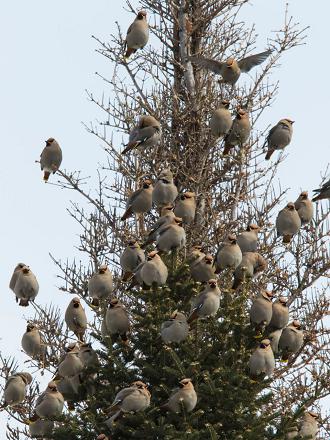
[{"x": 232, "y": 192}]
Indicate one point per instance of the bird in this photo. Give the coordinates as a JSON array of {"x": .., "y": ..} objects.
[
  {"x": 280, "y": 313},
  {"x": 185, "y": 207},
  {"x": 147, "y": 133},
  {"x": 135, "y": 398},
  {"x": 206, "y": 303},
  {"x": 239, "y": 132},
  {"x": 137, "y": 34},
  {"x": 26, "y": 286},
  {"x": 323, "y": 192},
  {"x": 50, "y": 158},
  {"x": 154, "y": 271},
  {"x": 229, "y": 254},
  {"x": 116, "y": 320},
  {"x": 261, "y": 309},
  {"x": 292, "y": 433},
  {"x": 288, "y": 222},
  {"x": 15, "y": 274},
  {"x": 183, "y": 398},
  {"x": 304, "y": 207},
  {"x": 70, "y": 388},
  {"x": 33, "y": 343},
  {"x": 140, "y": 201},
  {"x": 231, "y": 69},
  {"x": 15, "y": 388},
  {"x": 176, "y": 329},
  {"x": 171, "y": 237},
  {"x": 262, "y": 360},
  {"x": 221, "y": 121},
  {"x": 70, "y": 364},
  {"x": 130, "y": 259},
  {"x": 88, "y": 355},
  {"x": 274, "y": 338},
  {"x": 195, "y": 254},
  {"x": 309, "y": 426},
  {"x": 248, "y": 240},
  {"x": 75, "y": 318},
  {"x": 202, "y": 268},
  {"x": 41, "y": 429},
  {"x": 100, "y": 285},
  {"x": 291, "y": 340},
  {"x": 49, "y": 404},
  {"x": 279, "y": 136},
  {"x": 251, "y": 265},
  {"x": 166, "y": 217},
  {"x": 164, "y": 191}
]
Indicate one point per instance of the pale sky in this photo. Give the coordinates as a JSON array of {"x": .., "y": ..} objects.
[{"x": 48, "y": 59}]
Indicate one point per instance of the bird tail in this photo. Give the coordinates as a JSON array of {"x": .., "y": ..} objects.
[
  {"x": 126, "y": 276},
  {"x": 287, "y": 238},
  {"x": 24, "y": 302},
  {"x": 316, "y": 198},
  {"x": 46, "y": 176},
  {"x": 269, "y": 153},
  {"x": 127, "y": 214},
  {"x": 129, "y": 52},
  {"x": 192, "y": 317},
  {"x": 227, "y": 149},
  {"x": 96, "y": 302},
  {"x": 237, "y": 282},
  {"x": 130, "y": 146}
]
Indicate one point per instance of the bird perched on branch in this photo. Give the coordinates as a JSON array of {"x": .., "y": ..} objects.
[
  {"x": 239, "y": 132},
  {"x": 291, "y": 340},
  {"x": 146, "y": 134},
  {"x": 175, "y": 329},
  {"x": 229, "y": 254},
  {"x": 202, "y": 268},
  {"x": 165, "y": 219},
  {"x": 154, "y": 271},
  {"x": 50, "y": 158},
  {"x": 221, "y": 121},
  {"x": 183, "y": 398},
  {"x": 288, "y": 222},
  {"x": 130, "y": 259},
  {"x": 231, "y": 69},
  {"x": 49, "y": 404},
  {"x": 137, "y": 34},
  {"x": 165, "y": 190},
  {"x": 15, "y": 388},
  {"x": 305, "y": 208},
  {"x": 280, "y": 314},
  {"x": 206, "y": 303},
  {"x": 185, "y": 206},
  {"x": 309, "y": 426},
  {"x": 171, "y": 236},
  {"x": 33, "y": 343},
  {"x": 262, "y": 360},
  {"x": 261, "y": 310},
  {"x": 248, "y": 240},
  {"x": 75, "y": 318},
  {"x": 323, "y": 192},
  {"x": 251, "y": 265},
  {"x": 25, "y": 283},
  {"x": 116, "y": 320},
  {"x": 140, "y": 201},
  {"x": 100, "y": 285},
  {"x": 279, "y": 136}
]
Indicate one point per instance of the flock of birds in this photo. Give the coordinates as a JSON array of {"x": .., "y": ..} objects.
[{"x": 236, "y": 254}]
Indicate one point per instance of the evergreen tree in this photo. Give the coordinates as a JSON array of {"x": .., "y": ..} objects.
[{"x": 232, "y": 191}]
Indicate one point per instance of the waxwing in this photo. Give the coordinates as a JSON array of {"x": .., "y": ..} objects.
[
  {"x": 185, "y": 207},
  {"x": 165, "y": 191},
  {"x": 261, "y": 310},
  {"x": 206, "y": 303},
  {"x": 132, "y": 399},
  {"x": 229, "y": 254},
  {"x": 182, "y": 398},
  {"x": 248, "y": 240},
  {"x": 279, "y": 136},
  {"x": 26, "y": 286},
  {"x": 239, "y": 132},
  {"x": 131, "y": 258},
  {"x": 231, "y": 69},
  {"x": 139, "y": 201},
  {"x": 323, "y": 192},
  {"x": 15, "y": 274},
  {"x": 262, "y": 360},
  {"x": 165, "y": 219},
  {"x": 137, "y": 34},
  {"x": 175, "y": 329},
  {"x": 195, "y": 255},
  {"x": 221, "y": 122},
  {"x": 88, "y": 356},
  {"x": 41, "y": 429},
  {"x": 116, "y": 320},
  {"x": 280, "y": 314},
  {"x": 309, "y": 426},
  {"x": 291, "y": 340},
  {"x": 172, "y": 236},
  {"x": 49, "y": 404},
  {"x": 50, "y": 158},
  {"x": 33, "y": 343},
  {"x": 69, "y": 387},
  {"x": 154, "y": 270},
  {"x": 274, "y": 338},
  {"x": 100, "y": 285},
  {"x": 15, "y": 388},
  {"x": 288, "y": 222},
  {"x": 202, "y": 269},
  {"x": 251, "y": 265},
  {"x": 70, "y": 363},
  {"x": 75, "y": 318},
  {"x": 304, "y": 207},
  {"x": 147, "y": 133}
]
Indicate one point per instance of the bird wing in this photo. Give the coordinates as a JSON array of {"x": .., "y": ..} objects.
[
  {"x": 325, "y": 186},
  {"x": 208, "y": 63},
  {"x": 247, "y": 63},
  {"x": 121, "y": 396},
  {"x": 133, "y": 196},
  {"x": 9, "y": 380}
]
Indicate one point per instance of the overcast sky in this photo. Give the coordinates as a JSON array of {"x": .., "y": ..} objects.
[{"x": 48, "y": 59}]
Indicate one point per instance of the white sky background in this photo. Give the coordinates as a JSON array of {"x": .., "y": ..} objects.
[{"x": 47, "y": 60}]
